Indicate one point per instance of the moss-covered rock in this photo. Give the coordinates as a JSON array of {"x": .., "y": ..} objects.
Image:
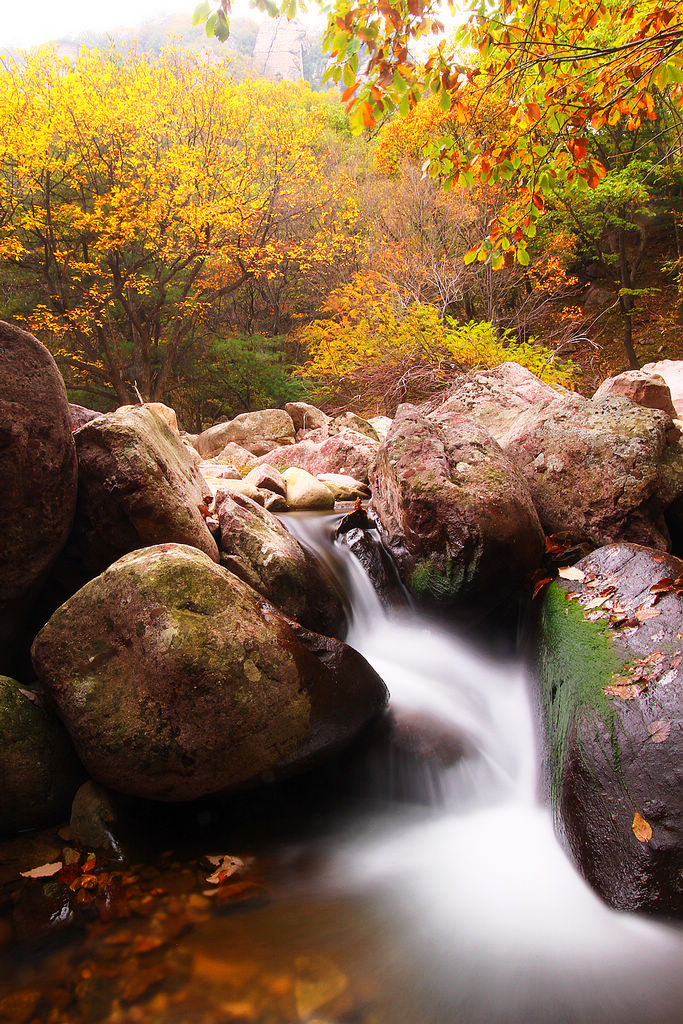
[
  {"x": 455, "y": 514},
  {"x": 608, "y": 662},
  {"x": 137, "y": 486},
  {"x": 257, "y": 548},
  {"x": 176, "y": 680},
  {"x": 38, "y": 766}
]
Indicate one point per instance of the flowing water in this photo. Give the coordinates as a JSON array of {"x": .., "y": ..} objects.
[{"x": 419, "y": 888}]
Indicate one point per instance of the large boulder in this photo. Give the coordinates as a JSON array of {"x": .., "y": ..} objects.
[
  {"x": 306, "y": 417},
  {"x": 80, "y": 415},
  {"x": 346, "y": 452},
  {"x": 671, "y": 370},
  {"x": 165, "y": 411},
  {"x": 455, "y": 514},
  {"x": 176, "y": 680},
  {"x": 259, "y": 432},
  {"x": 37, "y": 477},
  {"x": 599, "y": 471},
  {"x": 136, "y": 486},
  {"x": 640, "y": 386},
  {"x": 38, "y": 766},
  {"x": 351, "y": 421},
  {"x": 257, "y": 548},
  {"x": 305, "y": 492},
  {"x": 236, "y": 456},
  {"x": 609, "y": 659}
]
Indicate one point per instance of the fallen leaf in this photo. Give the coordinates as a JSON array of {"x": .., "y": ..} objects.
[
  {"x": 33, "y": 697},
  {"x": 570, "y": 572},
  {"x": 626, "y": 691},
  {"x": 226, "y": 866},
  {"x": 541, "y": 584},
  {"x": 44, "y": 871},
  {"x": 659, "y": 730},
  {"x": 664, "y": 586},
  {"x": 597, "y": 602},
  {"x": 646, "y": 612},
  {"x": 642, "y": 829}
]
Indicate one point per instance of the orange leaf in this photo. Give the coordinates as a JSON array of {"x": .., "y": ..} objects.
[
  {"x": 642, "y": 829},
  {"x": 659, "y": 731}
]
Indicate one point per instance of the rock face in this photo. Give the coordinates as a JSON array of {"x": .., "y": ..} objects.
[
  {"x": 177, "y": 680},
  {"x": 599, "y": 470},
  {"x": 37, "y": 476},
  {"x": 306, "y": 417},
  {"x": 258, "y": 432},
  {"x": 346, "y": 452},
  {"x": 640, "y": 386},
  {"x": 454, "y": 513},
  {"x": 165, "y": 411},
  {"x": 257, "y": 548},
  {"x": 610, "y": 677},
  {"x": 80, "y": 415},
  {"x": 38, "y": 766},
  {"x": 671, "y": 370},
  {"x": 305, "y": 492},
  {"x": 137, "y": 486}
]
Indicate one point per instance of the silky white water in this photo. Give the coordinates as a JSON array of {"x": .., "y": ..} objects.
[{"x": 483, "y": 916}]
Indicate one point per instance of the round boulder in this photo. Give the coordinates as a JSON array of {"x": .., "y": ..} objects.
[
  {"x": 176, "y": 680},
  {"x": 38, "y": 766},
  {"x": 305, "y": 492},
  {"x": 37, "y": 476}
]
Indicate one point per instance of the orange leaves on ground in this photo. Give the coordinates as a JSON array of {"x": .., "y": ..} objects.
[{"x": 642, "y": 829}]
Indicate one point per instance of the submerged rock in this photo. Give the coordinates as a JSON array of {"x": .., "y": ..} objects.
[
  {"x": 37, "y": 478},
  {"x": 257, "y": 548},
  {"x": 38, "y": 766},
  {"x": 609, "y": 659},
  {"x": 454, "y": 513},
  {"x": 176, "y": 680}
]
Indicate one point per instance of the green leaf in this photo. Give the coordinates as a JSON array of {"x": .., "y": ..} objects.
[
  {"x": 291, "y": 10},
  {"x": 211, "y": 24},
  {"x": 340, "y": 42},
  {"x": 348, "y": 76},
  {"x": 445, "y": 101},
  {"x": 522, "y": 256},
  {"x": 201, "y": 13},
  {"x": 222, "y": 27}
]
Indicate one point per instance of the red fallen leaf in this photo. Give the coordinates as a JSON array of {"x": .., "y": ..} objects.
[
  {"x": 555, "y": 545},
  {"x": 43, "y": 871},
  {"x": 642, "y": 829},
  {"x": 663, "y": 586},
  {"x": 89, "y": 864},
  {"x": 625, "y": 691},
  {"x": 659, "y": 730},
  {"x": 204, "y": 509},
  {"x": 541, "y": 584}
]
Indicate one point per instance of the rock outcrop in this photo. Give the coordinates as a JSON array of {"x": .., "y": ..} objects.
[
  {"x": 609, "y": 659},
  {"x": 454, "y": 513},
  {"x": 176, "y": 680},
  {"x": 37, "y": 478}
]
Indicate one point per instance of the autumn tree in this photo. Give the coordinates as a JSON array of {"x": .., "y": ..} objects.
[{"x": 145, "y": 196}]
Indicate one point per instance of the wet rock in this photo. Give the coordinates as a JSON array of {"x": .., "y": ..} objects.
[
  {"x": 38, "y": 767},
  {"x": 454, "y": 513},
  {"x": 358, "y": 532},
  {"x": 609, "y": 665},
  {"x": 267, "y": 478},
  {"x": 640, "y": 386},
  {"x": 176, "y": 680},
  {"x": 258, "y": 549},
  {"x": 96, "y": 820},
  {"x": 42, "y": 910},
  {"x": 258, "y": 432},
  {"x": 346, "y": 452},
  {"x": 306, "y": 417},
  {"x": 350, "y": 421},
  {"x": 37, "y": 479},
  {"x": 80, "y": 415},
  {"x": 344, "y": 488},
  {"x": 136, "y": 486},
  {"x": 305, "y": 492}
]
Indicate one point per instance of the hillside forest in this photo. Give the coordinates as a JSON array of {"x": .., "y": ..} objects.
[{"x": 177, "y": 229}]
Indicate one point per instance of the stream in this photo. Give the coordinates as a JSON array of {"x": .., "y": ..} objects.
[{"x": 427, "y": 889}]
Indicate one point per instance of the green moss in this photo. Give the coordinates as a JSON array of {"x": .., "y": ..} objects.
[
  {"x": 577, "y": 660},
  {"x": 428, "y": 582}
]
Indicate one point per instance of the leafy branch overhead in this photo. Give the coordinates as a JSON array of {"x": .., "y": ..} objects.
[{"x": 563, "y": 69}]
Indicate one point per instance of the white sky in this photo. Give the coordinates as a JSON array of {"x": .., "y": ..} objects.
[{"x": 38, "y": 21}]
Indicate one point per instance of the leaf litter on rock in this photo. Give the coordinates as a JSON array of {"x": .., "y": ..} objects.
[
  {"x": 642, "y": 829},
  {"x": 659, "y": 731}
]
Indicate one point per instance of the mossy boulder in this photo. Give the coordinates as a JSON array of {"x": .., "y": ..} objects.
[
  {"x": 38, "y": 766},
  {"x": 37, "y": 479},
  {"x": 609, "y": 657},
  {"x": 177, "y": 680},
  {"x": 454, "y": 513},
  {"x": 137, "y": 486},
  {"x": 257, "y": 548}
]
